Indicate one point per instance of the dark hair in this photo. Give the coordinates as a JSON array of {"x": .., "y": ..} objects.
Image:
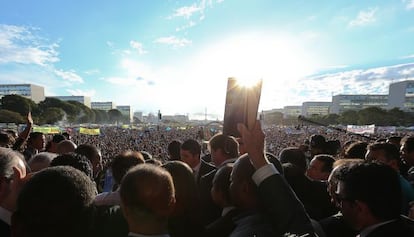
[
  {"x": 33, "y": 136},
  {"x": 192, "y": 146},
  {"x": 377, "y": 185},
  {"x": 294, "y": 156},
  {"x": 77, "y": 161},
  {"x": 123, "y": 162},
  {"x": 227, "y": 144},
  {"x": 58, "y": 138},
  {"x": 221, "y": 180},
  {"x": 90, "y": 151},
  {"x": 327, "y": 161},
  {"x": 356, "y": 150},
  {"x": 174, "y": 150},
  {"x": 391, "y": 152},
  {"x": 52, "y": 200}
]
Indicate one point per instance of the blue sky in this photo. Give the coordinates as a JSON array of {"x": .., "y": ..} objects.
[{"x": 176, "y": 56}]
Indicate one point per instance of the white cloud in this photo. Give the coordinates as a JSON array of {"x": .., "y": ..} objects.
[
  {"x": 410, "y": 4},
  {"x": 187, "y": 11},
  {"x": 173, "y": 41},
  {"x": 137, "y": 46},
  {"x": 92, "y": 72},
  {"x": 79, "y": 92},
  {"x": 189, "y": 25},
  {"x": 19, "y": 44},
  {"x": 364, "y": 18},
  {"x": 110, "y": 44},
  {"x": 69, "y": 76},
  {"x": 408, "y": 56}
]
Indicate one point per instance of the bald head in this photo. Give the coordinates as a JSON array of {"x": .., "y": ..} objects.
[
  {"x": 243, "y": 191},
  {"x": 147, "y": 193},
  {"x": 66, "y": 146}
]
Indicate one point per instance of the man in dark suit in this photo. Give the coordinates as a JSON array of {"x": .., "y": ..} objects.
[
  {"x": 369, "y": 195},
  {"x": 223, "y": 149},
  {"x": 12, "y": 176},
  {"x": 147, "y": 200},
  {"x": 190, "y": 152},
  {"x": 279, "y": 207}
]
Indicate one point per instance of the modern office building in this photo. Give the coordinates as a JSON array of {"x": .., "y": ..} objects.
[
  {"x": 292, "y": 111},
  {"x": 139, "y": 116},
  {"x": 86, "y": 100},
  {"x": 125, "y": 110},
  {"x": 315, "y": 108},
  {"x": 341, "y": 103},
  {"x": 30, "y": 91},
  {"x": 401, "y": 95},
  {"x": 106, "y": 106}
]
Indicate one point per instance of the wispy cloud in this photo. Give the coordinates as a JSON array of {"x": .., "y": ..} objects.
[
  {"x": 69, "y": 76},
  {"x": 173, "y": 41},
  {"x": 409, "y": 4},
  {"x": 80, "y": 92},
  {"x": 407, "y": 56},
  {"x": 364, "y": 18},
  {"x": 137, "y": 46},
  {"x": 19, "y": 44},
  {"x": 195, "y": 11}
]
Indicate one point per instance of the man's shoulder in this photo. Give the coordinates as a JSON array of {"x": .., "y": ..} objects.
[{"x": 403, "y": 227}]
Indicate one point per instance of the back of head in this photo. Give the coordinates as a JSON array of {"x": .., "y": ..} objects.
[
  {"x": 317, "y": 142},
  {"x": 221, "y": 183},
  {"x": 327, "y": 161},
  {"x": 174, "y": 150},
  {"x": 88, "y": 150},
  {"x": 58, "y": 138},
  {"x": 74, "y": 160},
  {"x": 147, "y": 194},
  {"x": 192, "y": 146},
  {"x": 377, "y": 185},
  {"x": 41, "y": 161},
  {"x": 356, "y": 150},
  {"x": 294, "y": 156},
  {"x": 8, "y": 159},
  {"x": 389, "y": 150},
  {"x": 186, "y": 193},
  {"x": 66, "y": 146},
  {"x": 227, "y": 144},
  {"x": 243, "y": 190},
  {"x": 55, "y": 202},
  {"x": 123, "y": 162},
  {"x": 5, "y": 139},
  {"x": 33, "y": 136}
]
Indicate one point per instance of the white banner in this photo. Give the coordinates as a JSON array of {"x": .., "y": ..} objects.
[
  {"x": 361, "y": 129},
  {"x": 386, "y": 129}
]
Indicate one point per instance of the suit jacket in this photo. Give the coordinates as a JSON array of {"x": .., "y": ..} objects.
[
  {"x": 403, "y": 227},
  {"x": 209, "y": 210},
  {"x": 223, "y": 226},
  {"x": 204, "y": 169},
  {"x": 4, "y": 229},
  {"x": 335, "y": 226},
  {"x": 285, "y": 211}
]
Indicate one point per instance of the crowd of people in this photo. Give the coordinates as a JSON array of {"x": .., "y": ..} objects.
[{"x": 273, "y": 181}]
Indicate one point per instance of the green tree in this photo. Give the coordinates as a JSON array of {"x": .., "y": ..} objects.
[
  {"x": 114, "y": 115},
  {"x": 18, "y": 104},
  {"x": 71, "y": 110},
  {"x": 372, "y": 115},
  {"x": 7, "y": 116},
  {"x": 52, "y": 115},
  {"x": 101, "y": 116},
  {"x": 85, "y": 115},
  {"x": 348, "y": 117}
]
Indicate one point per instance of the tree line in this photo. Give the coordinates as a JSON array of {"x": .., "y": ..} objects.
[
  {"x": 14, "y": 109},
  {"x": 371, "y": 115}
]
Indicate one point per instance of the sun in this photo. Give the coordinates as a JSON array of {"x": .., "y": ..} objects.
[{"x": 248, "y": 82}]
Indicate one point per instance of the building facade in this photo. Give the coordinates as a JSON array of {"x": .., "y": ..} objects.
[
  {"x": 30, "y": 91},
  {"x": 105, "y": 106},
  {"x": 86, "y": 100},
  {"x": 401, "y": 95},
  {"x": 315, "y": 108},
  {"x": 292, "y": 111},
  {"x": 341, "y": 103}
]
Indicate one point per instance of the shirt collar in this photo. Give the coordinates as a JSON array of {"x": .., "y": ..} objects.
[{"x": 5, "y": 215}]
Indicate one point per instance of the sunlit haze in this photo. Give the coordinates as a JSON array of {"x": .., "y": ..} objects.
[{"x": 176, "y": 56}]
